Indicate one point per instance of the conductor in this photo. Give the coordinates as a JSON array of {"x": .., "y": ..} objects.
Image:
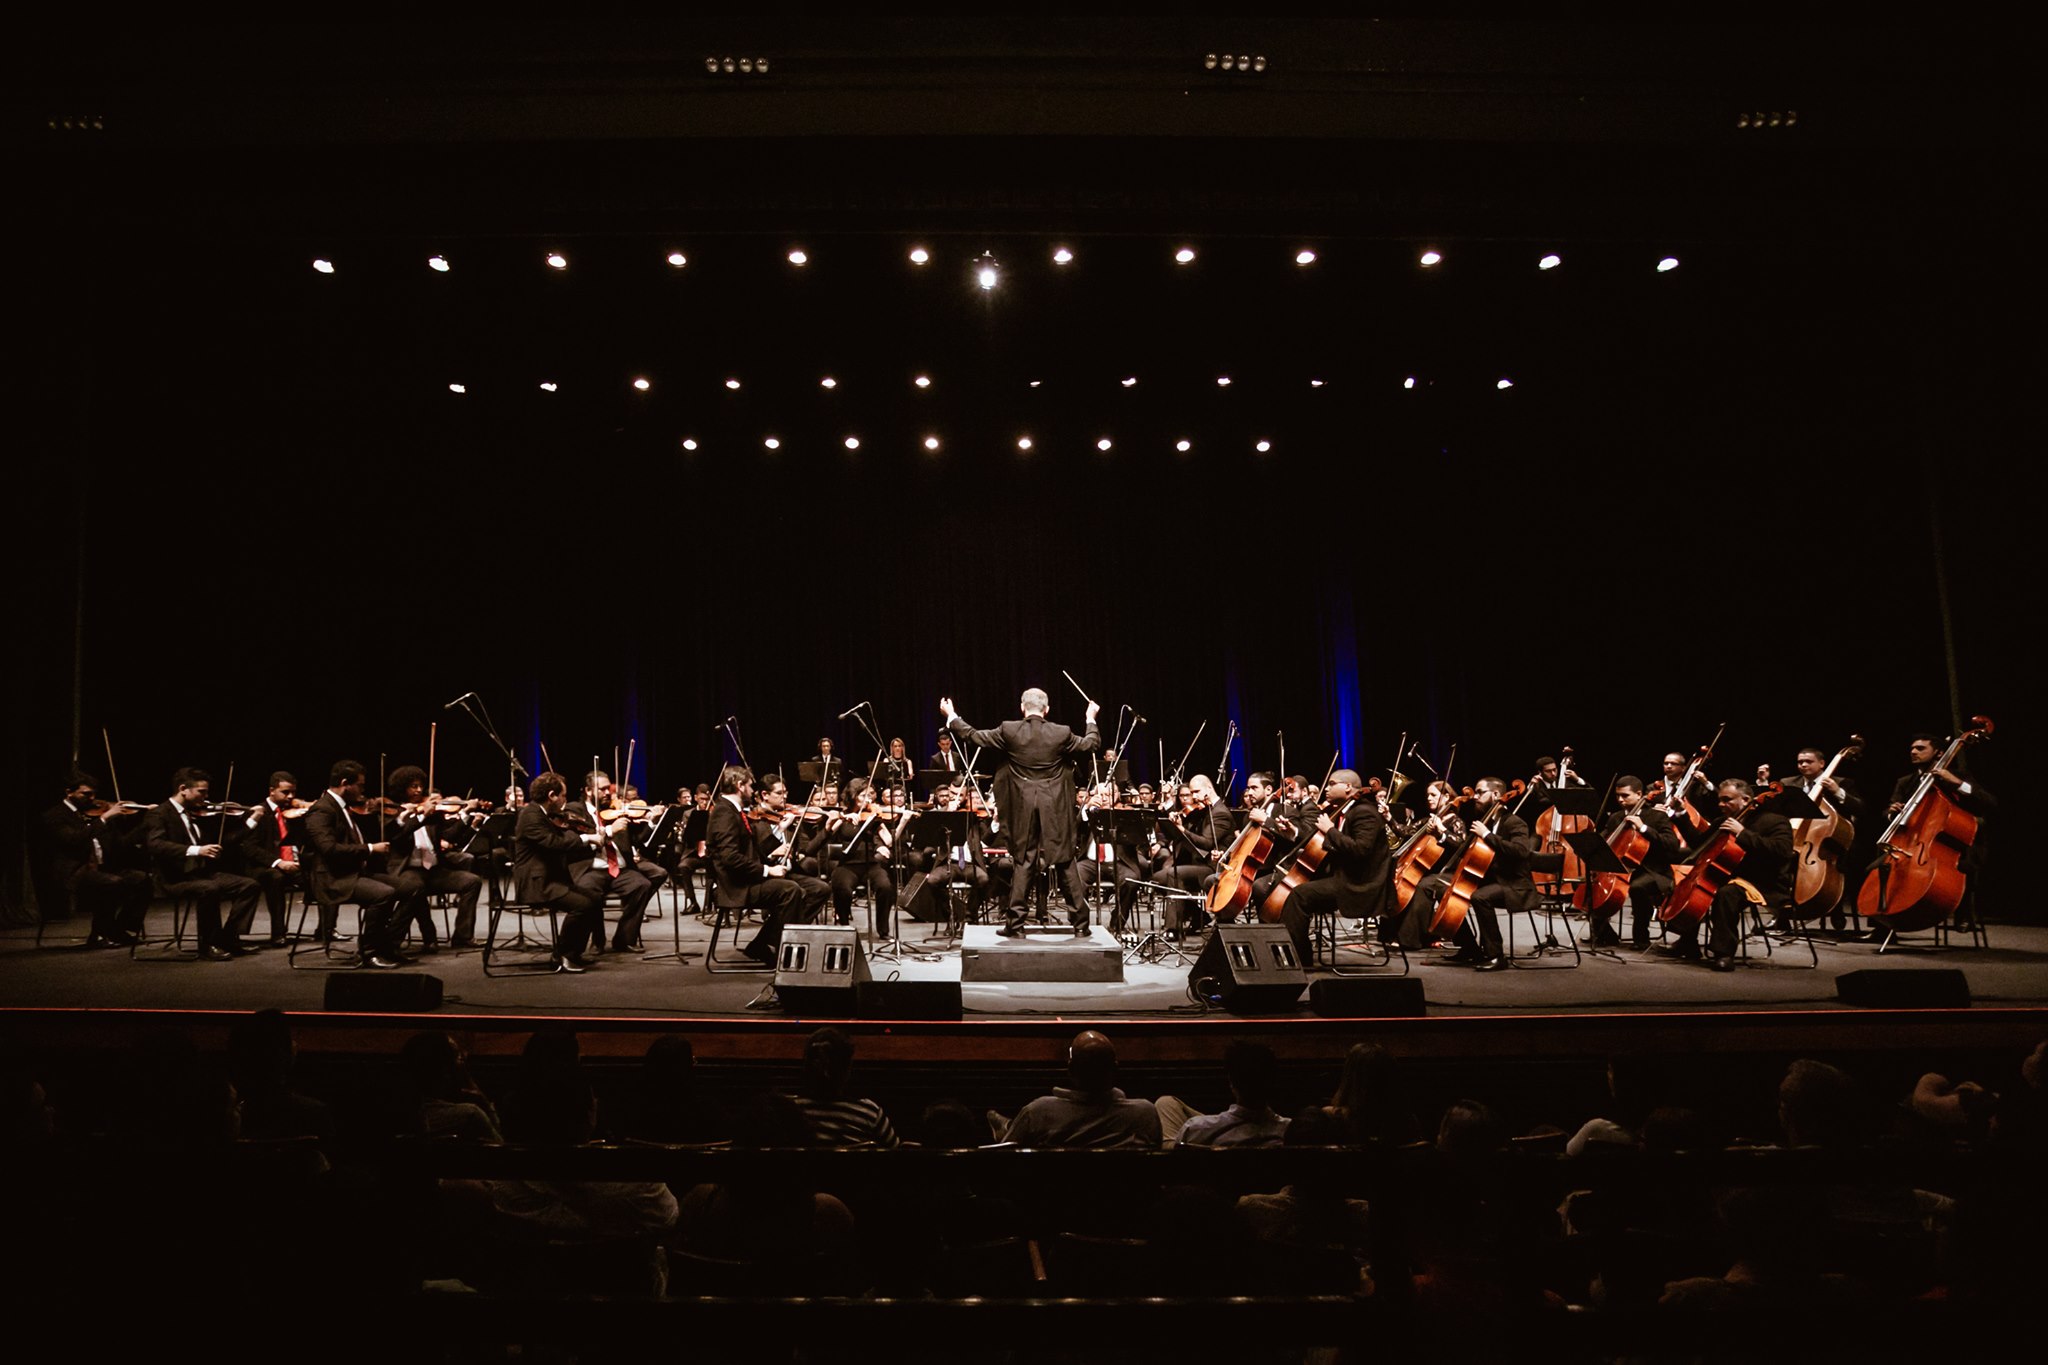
[{"x": 1035, "y": 798}]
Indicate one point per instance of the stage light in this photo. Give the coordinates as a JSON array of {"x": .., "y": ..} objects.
[
  {"x": 853, "y": 443},
  {"x": 325, "y": 267},
  {"x": 1061, "y": 256},
  {"x": 678, "y": 259},
  {"x": 1432, "y": 256},
  {"x": 439, "y": 263},
  {"x": 1667, "y": 265},
  {"x": 1409, "y": 382},
  {"x": 1263, "y": 446},
  {"x": 1103, "y": 444},
  {"x": 1304, "y": 257},
  {"x": 547, "y": 386},
  {"x": 1183, "y": 445},
  {"x": 772, "y": 443},
  {"x": 1023, "y": 443},
  {"x": 923, "y": 381},
  {"x": 641, "y": 384},
  {"x": 689, "y": 443},
  {"x": 931, "y": 443},
  {"x": 732, "y": 383},
  {"x": 1315, "y": 383},
  {"x": 1550, "y": 262},
  {"x": 986, "y": 271},
  {"x": 1504, "y": 383},
  {"x": 1222, "y": 381},
  {"x": 1036, "y": 382},
  {"x": 1184, "y": 255},
  {"x": 799, "y": 258},
  {"x": 558, "y": 260},
  {"x": 458, "y": 388},
  {"x": 1130, "y": 381},
  {"x": 918, "y": 255}
]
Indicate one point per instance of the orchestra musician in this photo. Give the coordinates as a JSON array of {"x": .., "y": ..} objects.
[
  {"x": 1507, "y": 885},
  {"x": 894, "y": 770},
  {"x": 339, "y": 870},
  {"x": 741, "y": 880},
  {"x": 682, "y": 857},
  {"x": 869, "y": 827},
  {"x": 1035, "y": 798},
  {"x": 1765, "y": 838},
  {"x": 796, "y": 843},
  {"x": 1837, "y": 791},
  {"x": 1356, "y": 873},
  {"x": 81, "y": 856},
  {"x": 424, "y": 862},
  {"x": 1650, "y": 882},
  {"x": 1923, "y": 754},
  {"x": 1114, "y": 769},
  {"x": 945, "y": 758},
  {"x": 1440, "y": 804},
  {"x": 1200, "y": 831},
  {"x": 965, "y": 864},
  {"x": 831, "y": 768},
  {"x": 268, "y": 845},
  {"x": 189, "y": 863},
  {"x": 544, "y": 837},
  {"x": 607, "y": 866}
]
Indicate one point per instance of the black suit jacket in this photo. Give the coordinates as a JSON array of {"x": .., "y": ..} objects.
[
  {"x": 337, "y": 851},
  {"x": 1035, "y": 787},
  {"x": 1665, "y": 845},
  {"x": 256, "y": 840},
  {"x": 1767, "y": 862},
  {"x": 735, "y": 857},
  {"x": 1359, "y": 859},
  {"x": 167, "y": 839},
  {"x": 1515, "y": 853},
  {"x": 67, "y": 842},
  {"x": 540, "y": 855}
]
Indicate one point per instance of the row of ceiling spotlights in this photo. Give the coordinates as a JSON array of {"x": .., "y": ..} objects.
[
  {"x": 1024, "y": 443},
  {"x": 986, "y": 267},
  {"x": 643, "y": 384}
]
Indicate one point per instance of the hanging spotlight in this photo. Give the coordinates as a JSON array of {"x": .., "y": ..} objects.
[
  {"x": 558, "y": 260},
  {"x": 772, "y": 443},
  {"x": 853, "y": 443},
  {"x": 828, "y": 382},
  {"x": 799, "y": 257},
  {"x": 1504, "y": 383},
  {"x": 1130, "y": 381},
  {"x": 1667, "y": 265},
  {"x": 678, "y": 259},
  {"x": 1409, "y": 382},
  {"x": 1061, "y": 256},
  {"x": 918, "y": 255},
  {"x": 689, "y": 443},
  {"x": 1184, "y": 255},
  {"x": 732, "y": 383},
  {"x": 1183, "y": 445},
  {"x": 931, "y": 443},
  {"x": 1263, "y": 446},
  {"x": 458, "y": 388},
  {"x": 923, "y": 381},
  {"x": 548, "y": 386},
  {"x": 1023, "y": 443},
  {"x": 1431, "y": 256},
  {"x": 641, "y": 384},
  {"x": 325, "y": 267},
  {"x": 1222, "y": 381},
  {"x": 1304, "y": 257},
  {"x": 986, "y": 271},
  {"x": 1550, "y": 262},
  {"x": 1103, "y": 444},
  {"x": 439, "y": 263},
  {"x": 1315, "y": 383}
]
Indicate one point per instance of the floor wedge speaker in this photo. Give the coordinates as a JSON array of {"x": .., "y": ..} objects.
[
  {"x": 1904, "y": 988},
  {"x": 1367, "y": 997},
  {"x": 819, "y": 967},
  {"x": 1249, "y": 968},
  {"x": 375, "y": 992}
]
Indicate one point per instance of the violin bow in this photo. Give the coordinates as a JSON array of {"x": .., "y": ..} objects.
[
  {"x": 113, "y": 774},
  {"x": 433, "y": 731},
  {"x": 381, "y": 780},
  {"x": 226, "y": 791}
]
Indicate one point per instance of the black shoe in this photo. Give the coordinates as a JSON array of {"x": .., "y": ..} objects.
[
  {"x": 1641, "y": 945},
  {"x": 1012, "y": 928},
  {"x": 429, "y": 946},
  {"x": 238, "y": 949},
  {"x": 212, "y": 954},
  {"x": 382, "y": 963},
  {"x": 100, "y": 941},
  {"x": 277, "y": 941},
  {"x": 461, "y": 945},
  {"x": 1466, "y": 957},
  {"x": 1722, "y": 964},
  {"x": 121, "y": 938},
  {"x": 766, "y": 1000},
  {"x": 629, "y": 947},
  {"x": 1493, "y": 964},
  {"x": 1083, "y": 929},
  {"x": 568, "y": 965}
]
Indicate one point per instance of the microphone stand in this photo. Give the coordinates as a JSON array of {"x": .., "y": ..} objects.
[{"x": 473, "y": 706}]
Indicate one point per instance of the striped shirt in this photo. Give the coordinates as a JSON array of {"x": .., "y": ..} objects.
[{"x": 847, "y": 1122}]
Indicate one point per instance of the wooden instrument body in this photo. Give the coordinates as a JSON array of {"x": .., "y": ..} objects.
[
  {"x": 1307, "y": 859},
  {"x": 1918, "y": 881},
  {"x": 1423, "y": 852},
  {"x": 1607, "y": 892},
  {"x": 1456, "y": 901},
  {"x": 1692, "y": 896},
  {"x": 1232, "y": 890},
  {"x": 1818, "y": 881}
]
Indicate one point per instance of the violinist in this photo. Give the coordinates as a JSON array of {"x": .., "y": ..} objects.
[
  {"x": 1200, "y": 833},
  {"x": 82, "y": 858},
  {"x": 964, "y": 864},
  {"x": 544, "y": 838},
  {"x": 1440, "y": 800},
  {"x": 793, "y": 839},
  {"x": 189, "y": 863},
  {"x": 339, "y": 868},
  {"x": 1765, "y": 838},
  {"x": 1356, "y": 869},
  {"x": 869, "y": 828},
  {"x": 683, "y": 856},
  {"x": 606, "y": 866},
  {"x": 424, "y": 862},
  {"x": 1650, "y": 882},
  {"x": 268, "y": 845},
  {"x": 741, "y": 880}
]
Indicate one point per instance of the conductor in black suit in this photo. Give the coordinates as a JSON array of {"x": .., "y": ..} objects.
[{"x": 1035, "y": 798}]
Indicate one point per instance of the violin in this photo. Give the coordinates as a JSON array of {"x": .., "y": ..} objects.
[
  {"x": 1713, "y": 864},
  {"x": 637, "y": 811},
  {"x": 1917, "y": 880},
  {"x": 113, "y": 810},
  {"x": 575, "y": 821}
]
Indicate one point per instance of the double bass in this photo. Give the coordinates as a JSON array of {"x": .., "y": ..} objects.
[
  {"x": 1714, "y": 862},
  {"x": 1819, "y": 844},
  {"x": 1917, "y": 880},
  {"x": 1683, "y": 813},
  {"x": 1552, "y": 826}
]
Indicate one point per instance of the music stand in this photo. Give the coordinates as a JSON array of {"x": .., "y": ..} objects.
[
  {"x": 947, "y": 829},
  {"x": 932, "y": 781},
  {"x": 813, "y": 771},
  {"x": 670, "y": 828},
  {"x": 498, "y": 828},
  {"x": 1598, "y": 856}
]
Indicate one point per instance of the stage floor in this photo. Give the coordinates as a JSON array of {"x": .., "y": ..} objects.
[{"x": 2011, "y": 972}]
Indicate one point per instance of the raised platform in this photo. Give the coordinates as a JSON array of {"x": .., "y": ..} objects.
[{"x": 1040, "y": 955}]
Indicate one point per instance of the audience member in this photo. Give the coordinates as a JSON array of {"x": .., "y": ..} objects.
[
  {"x": 838, "y": 1119},
  {"x": 1369, "y": 1102},
  {"x": 1089, "y": 1111},
  {"x": 443, "y": 1100},
  {"x": 672, "y": 1106},
  {"x": 1250, "y": 1121}
]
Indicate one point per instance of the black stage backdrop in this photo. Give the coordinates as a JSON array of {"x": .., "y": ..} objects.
[{"x": 268, "y": 535}]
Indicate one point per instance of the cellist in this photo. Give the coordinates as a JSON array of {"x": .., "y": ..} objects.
[
  {"x": 1508, "y": 885},
  {"x": 1449, "y": 828},
  {"x": 1765, "y": 838},
  {"x": 1357, "y": 867},
  {"x": 1924, "y": 755},
  {"x": 1650, "y": 882}
]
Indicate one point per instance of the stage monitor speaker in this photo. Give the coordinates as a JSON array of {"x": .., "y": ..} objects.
[
  {"x": 1904, "y": 988},
  {"x": 1249, "y": 968},
  {"x": 1367, "y": 997},
  {"x": 818, "y": 968},
  {"x": 375, "y": 992},
  {"x": 910, "y": 1000},
  {"x": 922, "y": 900}
]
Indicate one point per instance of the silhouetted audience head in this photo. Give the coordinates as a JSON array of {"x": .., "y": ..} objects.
[
  {"x": 1091, "y": 1062},
  {"x": 1253, "y": 1073},
  {"x": 1818, "y": 1106},
  {"x": 828, "y": 1063},
  {"x": 432, "y": 1064},
  {"x": 953, "y": 1126},
  {"x": 1369, "y": 1100},
  {"x": 1468, "y": 1128}
]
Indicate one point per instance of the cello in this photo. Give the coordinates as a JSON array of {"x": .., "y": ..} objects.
[
  {"x": 1231, "y": 892},
  {"x": 1309, "y": 857},
  {"x": 1684, "y": 815},
  {"x": 1552, "y": 826},
  {"x": 1471, "y": 869},
  {"x": 1917, "y": 880},
  {"x": 1819, "y": 844},
  {"x": 1714, "y": 862},
  {"x": 1607, "y": 892}
]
